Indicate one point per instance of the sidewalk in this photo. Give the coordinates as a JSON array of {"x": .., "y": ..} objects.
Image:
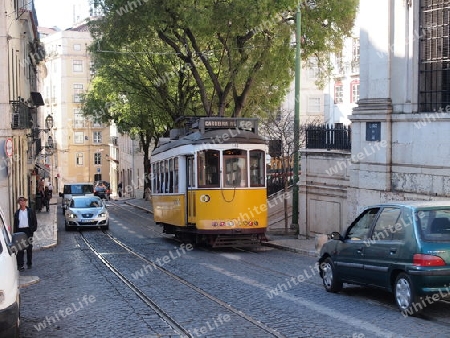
[{"x": 45, "y": 237}]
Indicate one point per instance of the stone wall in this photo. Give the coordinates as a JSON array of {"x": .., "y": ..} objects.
[{"x": 323, "y": 189}]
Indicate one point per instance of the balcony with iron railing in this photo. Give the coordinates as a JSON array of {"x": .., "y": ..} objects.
[{"x": 21, "y": 116}]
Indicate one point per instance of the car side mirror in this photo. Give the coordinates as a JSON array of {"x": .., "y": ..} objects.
[
  {"x": 61, "y": 194},
  {"x": 336, "y": 235},
  {"x": 19, "y": 241}
]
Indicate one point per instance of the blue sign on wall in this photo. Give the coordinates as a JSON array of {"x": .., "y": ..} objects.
[{"x": 373, "y": 131}]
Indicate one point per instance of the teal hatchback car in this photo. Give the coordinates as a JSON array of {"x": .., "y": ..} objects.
[{"x": 402, "y": 247}]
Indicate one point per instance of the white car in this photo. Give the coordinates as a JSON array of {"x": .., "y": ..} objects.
[
  {"x": 86, "y": 211},
  {"x": 9, "y": 280}
]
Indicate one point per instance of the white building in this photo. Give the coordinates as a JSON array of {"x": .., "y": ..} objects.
[
  {"x": 20, "y": 54},
  {"x": 341, "y": 93},
  {"x": 311, "y": 97},
  {"x": 399, "y": 129},
  {"x": 404, "y": 104}
]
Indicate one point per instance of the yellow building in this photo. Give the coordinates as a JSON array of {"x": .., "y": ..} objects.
[{"x": 84, "y": 150}]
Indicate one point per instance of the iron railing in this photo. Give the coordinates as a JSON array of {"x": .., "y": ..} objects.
[{"x": 328, "y": 137}]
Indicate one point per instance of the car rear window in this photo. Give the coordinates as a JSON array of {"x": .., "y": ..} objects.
[
  {"x": 78, "y": 189},
  {"x": 434, "y": 224}
]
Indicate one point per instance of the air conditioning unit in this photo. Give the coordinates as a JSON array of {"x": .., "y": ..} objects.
[{"x": 15, "y": 121}]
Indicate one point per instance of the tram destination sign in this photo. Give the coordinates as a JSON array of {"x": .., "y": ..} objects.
[{"x": 249, "y": 124}]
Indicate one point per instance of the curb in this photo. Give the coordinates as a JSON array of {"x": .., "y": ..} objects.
[
  {"x": 310, "y": 253},
  {"x": 25, "y": 281},
  {"x": 139, "y": 207}
]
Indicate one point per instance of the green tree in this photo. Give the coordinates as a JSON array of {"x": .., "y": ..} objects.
[
  {"x": 174, "y": 58},
  {"x": 237, "y": 52}
]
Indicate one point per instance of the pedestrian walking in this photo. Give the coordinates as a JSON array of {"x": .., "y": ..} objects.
[
  {"x": 50, "y": 189},
  {"x": 119, "y": 186},
  {"x": 40, "y": 198},
  {"x": 46, "y": 199},
  {"x": 25, "y": 221}
]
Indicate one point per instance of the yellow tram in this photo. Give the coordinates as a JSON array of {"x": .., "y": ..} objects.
[{"x": 208, "y": 183}]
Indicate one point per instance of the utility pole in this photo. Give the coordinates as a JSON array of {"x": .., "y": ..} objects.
[{"x": 298, "y": 41}]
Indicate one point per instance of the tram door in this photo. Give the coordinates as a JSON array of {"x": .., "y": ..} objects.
[{"x": 190, "y": 190}]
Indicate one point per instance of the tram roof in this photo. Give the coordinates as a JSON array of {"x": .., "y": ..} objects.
[{"x": 216, "y": 136}]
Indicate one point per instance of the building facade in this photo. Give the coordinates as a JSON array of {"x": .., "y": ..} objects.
[
  {"x": 311, "y": 96},
  {"x": 403, "y": 116},
  {"x": 20, "y": 144},
  {"x": 83, "y": 148},
  {"x": 400, "y": 124},
  {"x": 341, "y": 93}
]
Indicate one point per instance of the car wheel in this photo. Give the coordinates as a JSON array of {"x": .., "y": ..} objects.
[
  {"x": 404, "y": 295},
  {"x": 66, "y": 226},
  {"x": 63, "y": 211},
  {"x": 329, "y": 278},
  {"x": 105, "y": 227}
]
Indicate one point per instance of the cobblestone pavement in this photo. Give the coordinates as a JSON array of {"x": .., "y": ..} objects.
[
  {"x": 79, "y": 296},
  {"x": 278, "y": 237}
]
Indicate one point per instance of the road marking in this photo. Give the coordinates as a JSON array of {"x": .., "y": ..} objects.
[{"x": 360, "y": 324}]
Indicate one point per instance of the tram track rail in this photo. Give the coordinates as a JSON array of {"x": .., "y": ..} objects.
[
  {"x": 177, "y": 327},
  {"x": 380, "y": 302}
]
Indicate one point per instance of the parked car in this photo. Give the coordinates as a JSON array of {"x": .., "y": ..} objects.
[
  {"x": 102, "y": 190},
  {"x": 402, "y": 247},
  {"x": 86, "y": 211},
  {"x": 9, "y": 280},
  {"x": 75, "y": 189}
]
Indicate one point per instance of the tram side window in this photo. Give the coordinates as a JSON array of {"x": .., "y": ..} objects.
[
  {"x": 153, "y": 178},
  {"x": 191, "y": 174},
  {"x": 175, "y": 175},
  {"x": 166, "y": 177},
  {"x": 161, "y": 177},
  {"x": 208, "y": 168},
  {"x": 235, "y": 168},
  {"x": 157, "y": 178},
  {"x": 171, "y": 172},
  {"x": 257, "y": 166}
]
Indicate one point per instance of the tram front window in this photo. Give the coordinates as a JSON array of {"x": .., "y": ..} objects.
[
  {"x": 235, "y": 168},
  {"x": 208, "y": 168},
  {"x": 257, "y": 168}
]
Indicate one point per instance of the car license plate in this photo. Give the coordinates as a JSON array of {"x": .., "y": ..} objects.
[{"x": 85, "y": 220}]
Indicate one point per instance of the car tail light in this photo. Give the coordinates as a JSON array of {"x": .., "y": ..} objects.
[{"x": 427, "y": 260}]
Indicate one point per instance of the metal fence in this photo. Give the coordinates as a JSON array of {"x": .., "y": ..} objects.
[
  {"x": 328, "y": 137},
  {"x": 277, "y": 179}
]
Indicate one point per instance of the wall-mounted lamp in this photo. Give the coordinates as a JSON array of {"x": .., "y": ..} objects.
[{"x": 49, "y": 122}]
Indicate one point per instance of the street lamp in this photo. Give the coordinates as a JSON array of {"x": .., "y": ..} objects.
[
  {"x": 294, "y": 224},
  {"x": 49, "y": 122}
]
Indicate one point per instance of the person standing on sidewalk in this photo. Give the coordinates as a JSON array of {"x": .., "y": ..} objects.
[{"x": 25, "y": 221}]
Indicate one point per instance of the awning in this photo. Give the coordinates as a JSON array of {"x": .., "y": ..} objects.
[
  {"x": 36, "y": 97},
  {"x": 43, "y": 167}
]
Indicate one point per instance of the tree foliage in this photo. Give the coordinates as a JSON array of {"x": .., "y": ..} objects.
[{"x": 236, "y": 56}]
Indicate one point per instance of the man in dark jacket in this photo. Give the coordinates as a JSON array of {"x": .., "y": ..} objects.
[{"x": 25, "y": 221}]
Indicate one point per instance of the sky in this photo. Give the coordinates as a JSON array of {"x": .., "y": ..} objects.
[{"x": 59, "y": 13}]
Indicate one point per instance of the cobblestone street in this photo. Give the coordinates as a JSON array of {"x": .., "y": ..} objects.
[{"x": 134, "y": 281}]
